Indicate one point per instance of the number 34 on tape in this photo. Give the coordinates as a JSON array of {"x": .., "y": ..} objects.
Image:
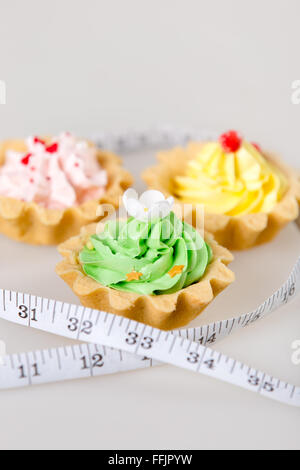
[{"x": 115, "y": 344}]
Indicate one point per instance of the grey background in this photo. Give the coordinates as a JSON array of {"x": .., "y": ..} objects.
[{"x": 95, "y": 65}]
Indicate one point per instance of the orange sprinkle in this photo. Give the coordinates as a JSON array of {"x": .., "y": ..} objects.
[
  {"x": 176, "y": 270},
  {"x": 134, "y": 276}
]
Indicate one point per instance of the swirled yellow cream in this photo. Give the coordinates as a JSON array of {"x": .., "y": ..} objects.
[{"x": 234, "y": 181}]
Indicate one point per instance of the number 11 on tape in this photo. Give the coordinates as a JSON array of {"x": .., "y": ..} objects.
[{"x": 124, "y": 344}]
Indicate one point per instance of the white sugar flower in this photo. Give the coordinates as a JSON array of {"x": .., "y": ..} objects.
[{"x": 150, "y": 206}]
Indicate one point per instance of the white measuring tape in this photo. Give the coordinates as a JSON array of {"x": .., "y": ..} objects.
[
  {"x": 156, "y": 138},
  {"x": 115, "y": 344},
  {"x": 119, "y": 344}
]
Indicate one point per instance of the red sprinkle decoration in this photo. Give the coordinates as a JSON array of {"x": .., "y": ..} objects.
[
  {"x": 52, "y": 148},
  {"x": 31, "y": 180},
  {"x": 76, "y": 165},
  {"x": 255, "y": 145},
  {"x": 25, "y": 160},
  {"x": 36, "y": 140},
  {"x": 230, "y": 141}
]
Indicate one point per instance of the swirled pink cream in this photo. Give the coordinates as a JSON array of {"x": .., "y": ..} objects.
[{"x": 56, "y": 175}]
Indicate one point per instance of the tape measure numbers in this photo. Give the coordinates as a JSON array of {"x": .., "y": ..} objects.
[{"x": 116, "y": 344}]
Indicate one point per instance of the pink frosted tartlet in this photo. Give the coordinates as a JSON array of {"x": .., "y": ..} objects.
[
  {"x": 55, "y": 175},
  {"x": 50, "y": 188}
]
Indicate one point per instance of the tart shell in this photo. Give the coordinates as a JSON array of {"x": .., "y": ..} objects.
[
  {"x": 165, "y": 312},
  {"x": 30, "y": 223},
  {"x": 235, "y": 233}
]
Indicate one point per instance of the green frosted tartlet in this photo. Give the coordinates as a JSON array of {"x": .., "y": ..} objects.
[
  {"x": 146, "y": 257},
  {"x": 151, "y": 267}
]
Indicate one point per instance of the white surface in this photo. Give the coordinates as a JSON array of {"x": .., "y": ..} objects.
[{"x": 87, "y": 66}]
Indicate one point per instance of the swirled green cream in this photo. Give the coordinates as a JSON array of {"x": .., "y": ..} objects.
[{"x": 148, "y": 258}]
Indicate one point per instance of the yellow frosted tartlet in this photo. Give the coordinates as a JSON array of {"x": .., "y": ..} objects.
[{"x": 248, "y": 195}]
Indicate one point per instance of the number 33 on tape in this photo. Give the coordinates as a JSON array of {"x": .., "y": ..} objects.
[{"x": 115, "y": 344}]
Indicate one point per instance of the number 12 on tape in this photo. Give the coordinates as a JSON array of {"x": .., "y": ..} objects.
[{"x": 128, "y": 345}]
